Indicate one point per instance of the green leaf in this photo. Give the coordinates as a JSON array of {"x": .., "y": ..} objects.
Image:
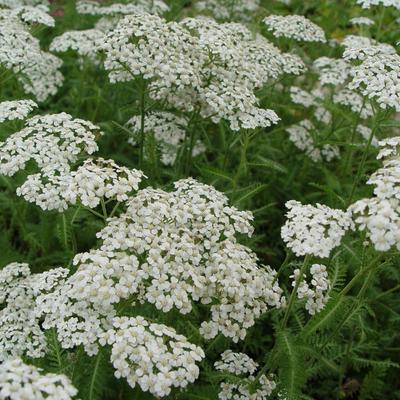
[{"x": 249, "y": 192}]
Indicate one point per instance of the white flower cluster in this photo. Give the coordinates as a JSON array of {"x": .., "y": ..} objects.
[
  {"x": 19, "y": 3},
  {"x": 76, "y": 321},
  {"x": 332, "y": 71},
  {"x": 168, "y": 249},
  {"x": 37, "y": 70},
  {"x": 30, "y": 14},
  {"x": 377, "y": 77},
  {"x": 134, "y": 7},
  {"x": 151, "y": 355},
  {"x": 199, "y": 64},
  {"x": 20, "y": 331},
  {"x": 19, "y": 381},
  {"x": 294, "y": 27},
  {"x": 301, "y": 135},
  {"x": 361, "y": 47},
  {"x": 85, "y": 43},
  {"x": 16, "y": 109},
  {"x": 311, "y": 99},
  {"x": 169, "y": 132},
  {"x": 362, "y": 21},
  {"x": 53, "y": 142},
  {"x": 248, "y": 387},
  {"x": 226, "y": 10},
  {"x": 187, "y": 239},
  {"x": 316, "y": 294},
  {"x": 236, "y": 363},
  {"x": 385, "y": 3},
  {"x": 379, "y": 215},
  {"x": 314, "y": 230},
  {"x": 376, "y": 72},
  {"x": 357, "y": 103},
  {"x": 101, "y": 178}
]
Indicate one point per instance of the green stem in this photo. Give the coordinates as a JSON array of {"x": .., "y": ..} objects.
[
  {"x": 294, "y": 291},
  {"x": 282, "y": 266},
  {"x": 94, "y": 375},
  {"x": 114, "y": 209},
  {"x": 244, "y": 140},
  {"x": 142, "y": 122},
  {"x": 103, "y": 208},
  {"x": 190, "y": 141},
  {"x": 350, "y": 150},
  {"x": 362, "y": 163}
]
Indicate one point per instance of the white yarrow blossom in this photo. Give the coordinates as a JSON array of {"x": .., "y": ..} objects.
[
  {"x": 182, "y": 62},
  {"x": 36, "y": 70},
  {"x": 100, "y": 178},
  {"x": 21, "y": 381},
  {"x": 20, "y": 330},
  {"x": 151, "y": 355},
  {"x": 314, "y": 230},
  {"x": 85, "y": 42},
  {"x": 356, "y": 102},
  {"x": 316, "y": 293},
  {"x": 379, "y": 215},
  {"x": 248, "y": 385},
  {"x": 332, "y": 71},
  {"x": 377, "y": 77},
  {"x": 294, "y": 27},
  {"x": 16, "y": 109},
  {"x": 385, "y": 3},
  {"x": 226, "y": 10},
  {"x": 301, "y": 135},
  {"x": 133, "y": 7},
  {"x": 31, "y": 14},
  {"x": 361, "y": 21},
  {"x": 236, "y": 363},
  {"x": 53, "y": 142},
  {"x": 186, "y": 241}
]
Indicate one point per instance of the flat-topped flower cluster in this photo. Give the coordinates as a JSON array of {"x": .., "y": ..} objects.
[{"x": 198, "y": 64}]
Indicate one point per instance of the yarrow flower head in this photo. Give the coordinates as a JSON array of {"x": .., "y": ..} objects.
[
  {"x": 151, "y": 355},
  {"x": 294, "y": 27},
  {"x": 197, "y": 64},
  {"x": 102, "y": 178},
  {"x": 225, "y": 10},
  {"x": 236, "y": 363},
  {"x": 189, "y": 238},
  {"x": 133, "y": 7},
  {"x": 356, "y": 102},
  {"x": 362, "y": 21},
  {"x": 314, "y": 230},
  {"x": 37, "y": 70},
  {"x": 247, "y": 385},
  {"x": 20, "y": 330},
  {"x": 379, "y": 215},
  {"x": 301, "y": 135},
  {"x": 377, "y": 78},
  {"x": 31, "y": 14},
  {"x": 332, "y": 71},
  {"x": 385, "y": 3},
  {"x": 169, "y": 132},
  {"x": 86, "y": 43},
  {"x": 16, "y": 109},
  {"x": 361, "y": 47},
  {"x": 316, "y": 294},
  {"x": 21, "y": 381},
  {"x": 53, "y": 142}
]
